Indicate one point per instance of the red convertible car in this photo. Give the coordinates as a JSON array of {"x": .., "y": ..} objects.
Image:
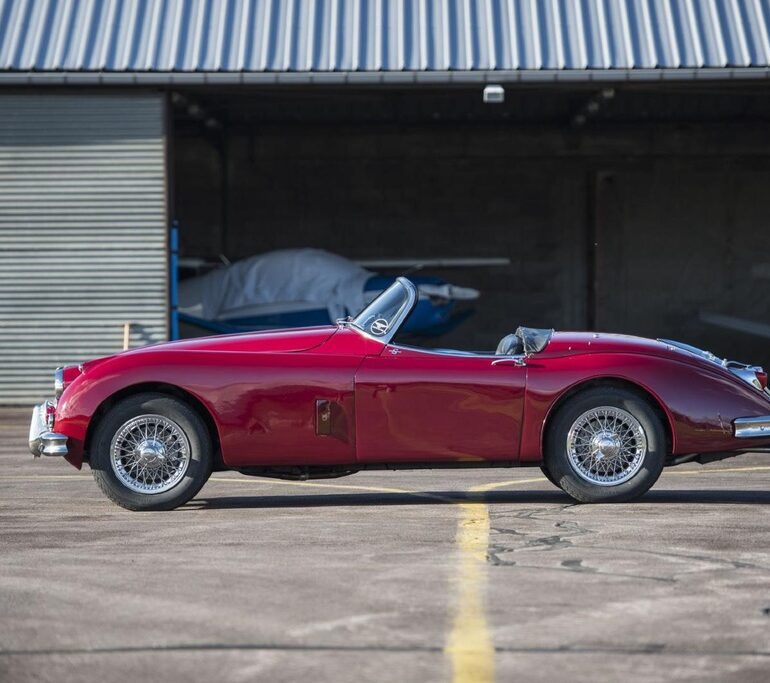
[{"x": 601, "y": 414}]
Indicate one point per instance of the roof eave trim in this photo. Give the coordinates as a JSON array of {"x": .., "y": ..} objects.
[{"x": 145, "y": 78}]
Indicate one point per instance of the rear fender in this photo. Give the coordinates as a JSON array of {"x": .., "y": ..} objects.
[{"x": 699, "y": 404}]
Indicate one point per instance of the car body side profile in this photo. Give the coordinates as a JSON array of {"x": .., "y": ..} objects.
[{"x": 601, "y": 414}]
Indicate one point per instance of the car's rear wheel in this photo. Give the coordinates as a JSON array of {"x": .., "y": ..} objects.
[
  {"x": 151, "y": 452},
  {"x": 606, "y": 445}
]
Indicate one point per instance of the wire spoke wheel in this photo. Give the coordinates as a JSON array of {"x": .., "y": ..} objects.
[
  {"x": 606, "y": 446},
  {"x": 150, "y": 454}
]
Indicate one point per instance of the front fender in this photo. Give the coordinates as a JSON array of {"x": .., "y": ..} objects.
[
  {"x": 103, "y": 379},
  {"x": 263, "y": 405}
]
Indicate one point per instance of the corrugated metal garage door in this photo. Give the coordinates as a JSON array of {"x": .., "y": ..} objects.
[{"x": 82, "y": 232}]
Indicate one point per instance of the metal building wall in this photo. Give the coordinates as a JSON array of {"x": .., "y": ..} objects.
[{"x": 82, "y": 232}]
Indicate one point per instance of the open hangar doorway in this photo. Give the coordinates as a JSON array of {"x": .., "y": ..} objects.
[{"x": 632, "y": 208}]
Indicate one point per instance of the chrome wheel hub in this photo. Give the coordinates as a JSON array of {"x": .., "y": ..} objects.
[
  {"x": 606, "y": 446},
  {"x": 150, "y": 454}
]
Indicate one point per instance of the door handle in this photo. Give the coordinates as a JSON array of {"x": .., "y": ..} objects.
[{"x": 518, "y": 361}]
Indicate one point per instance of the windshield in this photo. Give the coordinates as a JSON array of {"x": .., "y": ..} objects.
[{"x": 383, "y": 316}]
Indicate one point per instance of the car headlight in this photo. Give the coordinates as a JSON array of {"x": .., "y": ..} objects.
[{"x": 63, "y": 377}]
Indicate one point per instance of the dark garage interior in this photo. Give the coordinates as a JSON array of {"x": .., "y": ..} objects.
[{"x": 638, "y": 209}]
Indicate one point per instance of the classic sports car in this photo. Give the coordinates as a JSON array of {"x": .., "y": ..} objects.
[{"x": 602, "y": 414}]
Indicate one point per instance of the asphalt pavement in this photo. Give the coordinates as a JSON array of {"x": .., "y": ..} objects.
[{"x": 406, "y": 576}]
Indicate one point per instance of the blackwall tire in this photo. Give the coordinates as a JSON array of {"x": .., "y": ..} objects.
[
  {"x": 606, "y": 445},
  {"x": 151, "y": 452}
]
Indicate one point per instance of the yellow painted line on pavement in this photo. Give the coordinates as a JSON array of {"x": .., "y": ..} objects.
[
  {"x": 469, "y": 643},
  {"x": 38, "y": 477},
  {"x": 762, "y": 468},
  {"x": 344, "y": 487},
  {"x": 308, "y": 484},
  {"x": 501, "y": 484}
]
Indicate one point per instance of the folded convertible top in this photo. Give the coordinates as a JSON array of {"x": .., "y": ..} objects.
[{"x": 534, "y": 339}]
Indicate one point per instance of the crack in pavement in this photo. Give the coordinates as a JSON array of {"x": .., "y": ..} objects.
[
  {"x": 547, "y": 543},
  {"x": 729, "y": 564}
]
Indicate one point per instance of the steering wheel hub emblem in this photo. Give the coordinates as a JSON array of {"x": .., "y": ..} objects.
[{"x": 379, "y": 327}]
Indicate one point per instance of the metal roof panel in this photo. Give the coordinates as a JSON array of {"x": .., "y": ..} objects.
[{"x": 322, "y": 36}]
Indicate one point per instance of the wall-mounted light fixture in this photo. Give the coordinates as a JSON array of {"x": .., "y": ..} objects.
[{"x": 494, "y": 94}]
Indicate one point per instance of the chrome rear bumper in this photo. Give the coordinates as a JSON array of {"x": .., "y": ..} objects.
[
  {"x": 42, "y": 440},
  {"x": 748, "y": 427}
]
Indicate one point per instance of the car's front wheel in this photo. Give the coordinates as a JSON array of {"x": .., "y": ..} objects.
[
  {"x": 151, "y": 452},
  {"x": 606, "y": 445}
]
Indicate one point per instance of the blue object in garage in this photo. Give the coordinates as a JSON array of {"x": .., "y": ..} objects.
[
  {"x": 253, "y": 294},
  {"x": 173, "y": 286}
]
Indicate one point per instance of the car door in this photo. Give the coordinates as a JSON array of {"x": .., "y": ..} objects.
[{"x": 428, "y": 406}]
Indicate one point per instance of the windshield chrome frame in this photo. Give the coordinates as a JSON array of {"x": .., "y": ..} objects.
[{"x": 403, "y": 312}]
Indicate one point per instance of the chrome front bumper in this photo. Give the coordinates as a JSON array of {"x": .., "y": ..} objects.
[
  {"x": 43, "y": 441},
  {"x": 748, "y": 427}
]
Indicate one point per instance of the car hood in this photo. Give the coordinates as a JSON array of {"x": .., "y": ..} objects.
[{"x": 276, "y": 341}]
